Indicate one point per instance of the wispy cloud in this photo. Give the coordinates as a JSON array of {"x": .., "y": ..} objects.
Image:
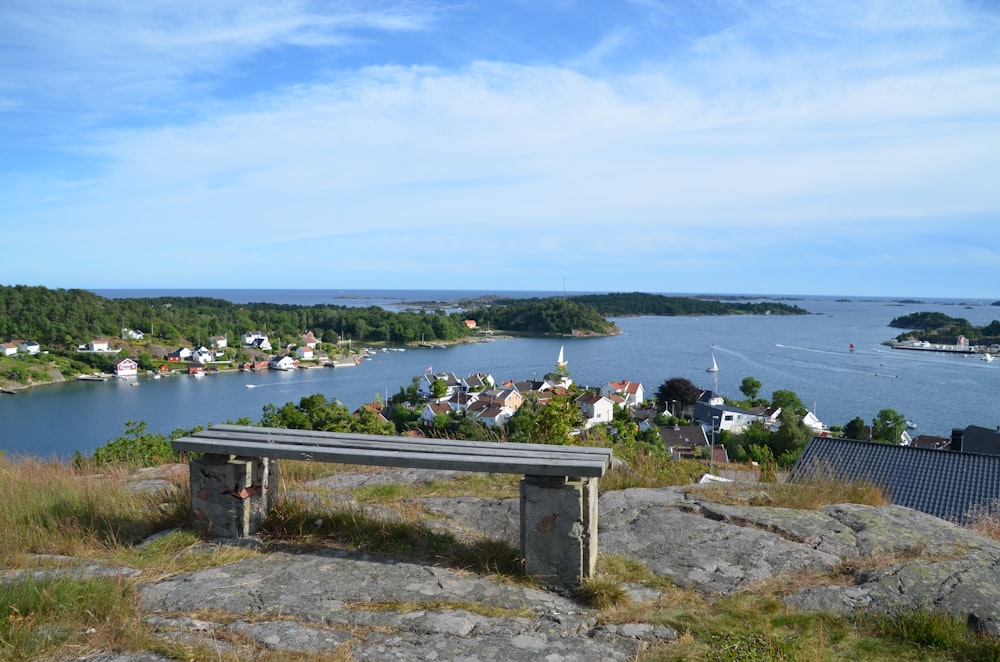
[
  {"x": 806, "y": 133},
  {"x": 114, "y": 57}
]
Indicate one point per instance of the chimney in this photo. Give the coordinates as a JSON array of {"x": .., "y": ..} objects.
[{"x": 956, "y": 439}]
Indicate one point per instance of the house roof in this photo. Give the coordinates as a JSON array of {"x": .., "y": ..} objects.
[
  {"x": 931, "y": 441},
  {"x": 625, "y": 386},
  {"x": 687, "y": 435},
  {"x": 976, "y": 439},
  {"x": 943, "y": 483},
  {"x": 590, "y": 398}
]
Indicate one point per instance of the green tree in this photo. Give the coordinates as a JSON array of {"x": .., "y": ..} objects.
[
  {"x": 788, "y": 400},
  {"x": 551, "y": 423},
  {"x": 750, "y": 388},
  {"x": 738, "y": 445},
  {"x": 789, "y": 439},
  {"x": 439, "y": 388},
  {"x": 136, "y": 447},
  {"x": 856, "y": 429},
  {"x": 888, "y": 426},
  {"x": 677, "y": 392}
]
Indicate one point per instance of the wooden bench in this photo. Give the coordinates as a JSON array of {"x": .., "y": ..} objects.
[{"x": 234, "y": 484}]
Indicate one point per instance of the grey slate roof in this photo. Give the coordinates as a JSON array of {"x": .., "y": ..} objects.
[{"x": 943, "y": 483}]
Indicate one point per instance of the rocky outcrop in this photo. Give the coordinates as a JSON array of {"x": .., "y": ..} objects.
[{"x": 883, "y": 559}]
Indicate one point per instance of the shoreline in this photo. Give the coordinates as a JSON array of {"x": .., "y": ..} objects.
[{"x": 355, "y": 358}]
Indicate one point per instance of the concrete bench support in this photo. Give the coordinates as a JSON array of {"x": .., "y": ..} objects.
[
  {"x": 559, "y": 528},
  {"x": 232, "y": 495},
  {"x": 234, "y": 484}
]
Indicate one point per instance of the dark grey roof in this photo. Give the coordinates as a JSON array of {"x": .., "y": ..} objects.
[
  {"x": 943, "y": 483},
  {"x": 976, "y": 439}
]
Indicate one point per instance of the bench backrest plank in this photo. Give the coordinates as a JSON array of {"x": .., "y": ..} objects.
[{"x": 375, "y": 450}]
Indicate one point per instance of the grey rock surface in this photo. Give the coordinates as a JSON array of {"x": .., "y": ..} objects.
[
  {"x": 334, "y": 598},
  {"x": 883, "y": 559}
]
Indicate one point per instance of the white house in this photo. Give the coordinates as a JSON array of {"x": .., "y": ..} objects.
[
  {"x": 433, "y": 409},
  {"x": 308, "y": 338},
  {"x": 478, "y": 381},
  {"x": 98, "y": 346},
  {"x": 202, "y": 355},
  {"x": 218, "y": 342},
  {"x": 283, "y": 363},
  {"x": 461, "y": 400},
  {"x": 9, "y": 349},
  {"x": 632, "y": 392},
  {"x": 494, "y": 415},
  {"x": 257, "y": 340},
  {"x": 132, "y": 334},
  {"x": 29, "y": 347},
  {"x": 305, "y": 352},
  {"x": 126, "y": 367},
  {"x": 451, "y": 380},
  {"x": 595, "y": 408}
]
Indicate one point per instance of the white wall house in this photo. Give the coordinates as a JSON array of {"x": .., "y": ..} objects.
[
  {"x": 257, "y": 340},
  {"x": 283, "y": 363},
  {"x": 30, "y": 347},
  {"x": 202, "y": 355},
  {"x": 632, "y": 392},
  {"x": 451, "y": 380},
  {"x": 595, "y": 408},
  {"x": 126, "y": 367}
]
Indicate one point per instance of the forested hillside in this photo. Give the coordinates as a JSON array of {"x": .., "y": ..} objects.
[
  {"x": 639, "y": 303},
  {"x": 940, "y": 328},
  {"x": 556, "y": 316},
  {"x": 66, "y": 318}
]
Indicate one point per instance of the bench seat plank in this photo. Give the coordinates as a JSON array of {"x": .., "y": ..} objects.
[
  {"x": 374, "y": 450},
  {"x": 342, "y": 438}
]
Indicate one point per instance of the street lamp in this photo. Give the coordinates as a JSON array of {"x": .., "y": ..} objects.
[{"x": 711, "y": 450}]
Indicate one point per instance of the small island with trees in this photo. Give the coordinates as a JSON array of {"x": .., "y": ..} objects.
[{"x": 63, "y": 320}]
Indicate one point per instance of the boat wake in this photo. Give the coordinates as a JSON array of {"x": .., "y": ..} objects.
[{"x": 808, "y": 349}]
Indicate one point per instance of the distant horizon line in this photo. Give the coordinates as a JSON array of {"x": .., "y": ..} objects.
[
  {"x": 480, "y": 291},
  {"x": 980, "y": 300}
]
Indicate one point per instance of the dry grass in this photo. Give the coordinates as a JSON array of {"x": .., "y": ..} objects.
[
  {"x": 53, "y": 509},
  {"x": 647, "y": 470},
  {"x": 985, "y": 519},
  {"x": 811, "y": 495},
  {"x": 52, "y": 514},
  {"x": 50, "y": 508}
]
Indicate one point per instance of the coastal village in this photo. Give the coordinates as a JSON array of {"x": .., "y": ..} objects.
[
  {"x": 916, "y": 472},
  {"x": 687, "y": 431}
]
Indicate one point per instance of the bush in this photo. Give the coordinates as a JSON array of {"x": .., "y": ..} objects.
[{"x": 136, "y": 447}]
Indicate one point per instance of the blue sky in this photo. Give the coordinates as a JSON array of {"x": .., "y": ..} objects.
[{"x": 716, "y": 146}]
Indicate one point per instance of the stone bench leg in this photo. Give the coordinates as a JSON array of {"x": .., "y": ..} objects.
[
  {"x": 559, "y": 528},
  {"x": 232, "y": 495}
]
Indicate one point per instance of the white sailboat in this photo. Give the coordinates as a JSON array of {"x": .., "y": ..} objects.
[
  {"x": 714, "y": 367},
  {"x": 561, "y": 362}
]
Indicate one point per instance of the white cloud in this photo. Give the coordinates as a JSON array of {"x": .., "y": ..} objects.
[
  {"x": 110, "y": 55},
  {"x": 756, "y": 140}
]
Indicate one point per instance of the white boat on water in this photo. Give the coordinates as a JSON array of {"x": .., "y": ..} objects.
[
  {"x": 561, "y": 362},
  {"x": 714, "y": 367},
  {"x": 988, "y": 357}
]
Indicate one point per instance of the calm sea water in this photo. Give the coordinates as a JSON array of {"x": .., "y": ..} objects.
[{"x": 807, "y": 354}]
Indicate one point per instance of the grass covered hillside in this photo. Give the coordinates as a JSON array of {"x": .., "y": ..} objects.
[{"x": 81, "y": 546}]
